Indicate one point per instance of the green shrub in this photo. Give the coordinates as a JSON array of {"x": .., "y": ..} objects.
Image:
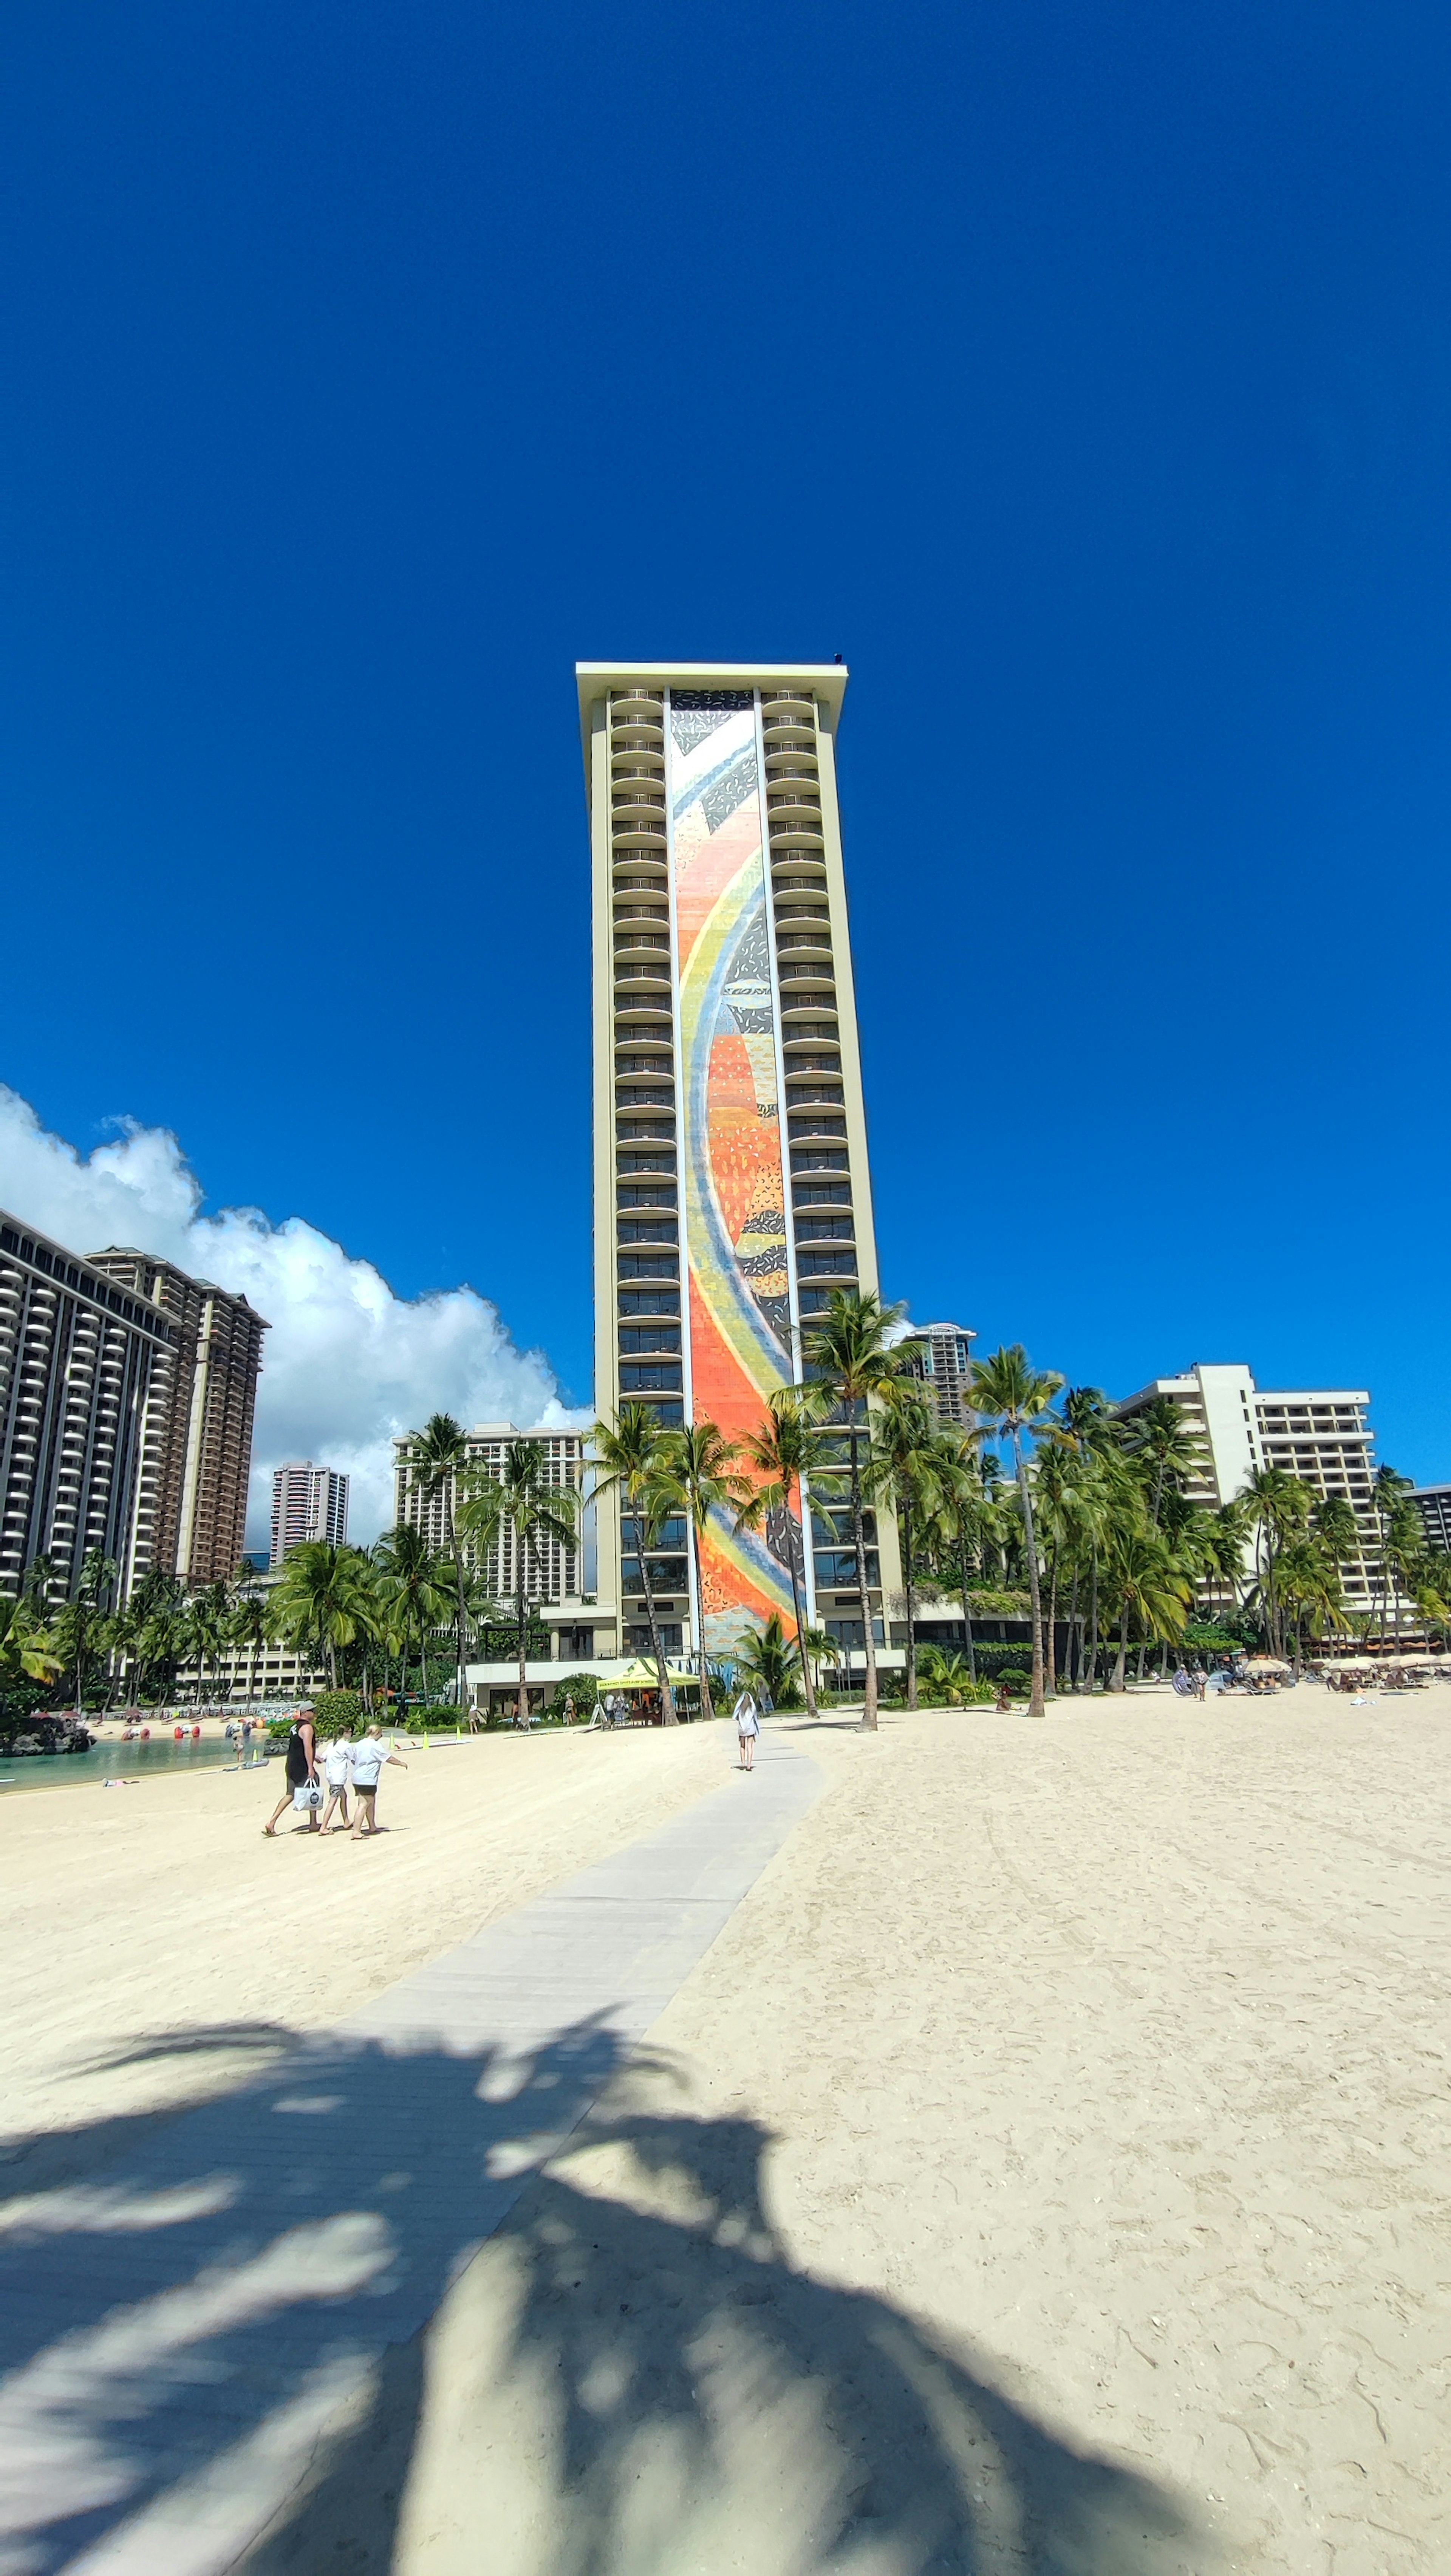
[
  {"x": 583, "y": 1689},
  {"x": 338, "y": 1712},
  {"x": 441, "y": 1719}
]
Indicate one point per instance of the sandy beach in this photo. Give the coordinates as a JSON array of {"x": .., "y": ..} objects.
[{"x": 1046, "y": 2170}]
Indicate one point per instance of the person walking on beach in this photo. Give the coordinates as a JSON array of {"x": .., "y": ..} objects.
[
  {"x": 748, "y": 1727},
  {"x": 337, "y": 1769},
  {"x": 301, "y": 1774},
  {"x": 368, "y": 1759}
]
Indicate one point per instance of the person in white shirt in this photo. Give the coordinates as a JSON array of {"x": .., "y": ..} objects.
[
  {"x": 748, "y": 1727},
  {"x": 337, "y": 1767},
  {"x": 368, "y": 1759}
]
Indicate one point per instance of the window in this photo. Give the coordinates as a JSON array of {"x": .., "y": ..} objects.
[
  {"x": 836, "y": 1568},
  {"x": 822, "y": 1194},
  {"x": 672, "y": 1637},
  {"x": 634, "y": 1381},
  {"x": 667, "y": 1573},
  {"x": 671, "y": 1532},
  {"x": 812, "y": 1158},
  {"x": 654, "y": 1265},
  {"x": 651, "y": 1337},
  {"x": 658, "y": 1158},
  {"x": 650, "y": 1301},
  {"x": 656, "y": 1229}
]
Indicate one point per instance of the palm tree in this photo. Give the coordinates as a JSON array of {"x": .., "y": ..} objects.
[
  {"x": 1224, "y": 1544},
  {"x": 25, "y": 1649},
  {"x": 209, "y": 1614},
  {"x": 698, "y": 1475},
  {"x": 1010, "y": 1397},
  {"x": 770, "y": 1660},
  {"x": 1148, "y": 1583},
  {"x": 438, "y": 1456},
  {"x": 780, "y": 1453},
  {"x": 961, "y": 1516},
  {"x": 247, "y": 1627},
  {"x": 1308, "y": 1578},
  {"x": 1166, "y": 1447},
  {"x": 1278, "y": 1507},
  {"x": 849, "y": 1360},
  {"x": 319, "y": 1601},
  {"x": 86, "y": 1610},
  {"x": 414, "y": 1599},
  {"x": 906, "y": 1470},
  {"x": 539, "y": 1514},
  {"x": 627, "y": 1455}
]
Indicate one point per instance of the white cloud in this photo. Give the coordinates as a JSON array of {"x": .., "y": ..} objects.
[{"x": 346, "y": 1364}]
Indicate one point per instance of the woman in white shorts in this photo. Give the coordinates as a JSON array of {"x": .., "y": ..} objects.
[{"x": 748, "y": 1727}]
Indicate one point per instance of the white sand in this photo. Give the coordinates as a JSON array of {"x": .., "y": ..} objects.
[{"x": 1101, "y": 2070}]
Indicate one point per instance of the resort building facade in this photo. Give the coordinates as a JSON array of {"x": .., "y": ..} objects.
[
  {"x": 1322, "y": 1436},
  {"x": 308, "y": 1502},
  {"x": 1433, "y": 1502},
  {"x": 941, "y": 1356},
  {"x": 198, "y": 1433},
  {"x": 732, "y": 1190},
  {"x": 88, "y": 1373},
  {"x": 556, "y": 1578}
]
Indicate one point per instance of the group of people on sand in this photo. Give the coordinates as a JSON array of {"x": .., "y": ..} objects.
[{"x": 346, "y": 1768}]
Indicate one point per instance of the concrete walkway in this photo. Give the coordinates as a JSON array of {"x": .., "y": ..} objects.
[{"x": 178, "y": 2334}]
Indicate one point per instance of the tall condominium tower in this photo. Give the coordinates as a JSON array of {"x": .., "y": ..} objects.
[
  {"x": 197, "y": 1448},
  {"x": 308, "y": 1502},
  {"x": 83, "y": 1367},
  {"x": 731, "y": 1183}
]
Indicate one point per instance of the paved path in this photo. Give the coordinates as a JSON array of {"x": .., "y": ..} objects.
[{"x": 177, "y": 2334}]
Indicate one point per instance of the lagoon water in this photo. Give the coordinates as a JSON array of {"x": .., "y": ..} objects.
[{"x": 163, "y": 1755}]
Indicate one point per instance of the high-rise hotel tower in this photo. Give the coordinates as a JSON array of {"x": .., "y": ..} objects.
[{"x": 731, "y": 1184}]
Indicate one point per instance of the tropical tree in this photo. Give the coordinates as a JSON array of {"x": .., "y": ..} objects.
[
  {"x": 961, "y": 1517},
  {"x": 1308, "y": 1584},
  {"x": 247, "y": 1626},
  {"x": 698, "y": 1475},
  {"x": 849, "y": 1362},
  {"x": 437, "y": 1457},
  {"x": 905, "y": 1472},
  {"x": 1011, "y": 1397},
  {"x": 628, "y": 1459},
  {"x": 781, "y": 1455},
  {"x": 770, "y": 1661},
  {"x": 1147, "y": 1583},
  {"x": 26, "y": 1651},
  {"x": 321, "y": 1600},
  {"x": 76, "y": 1628},
  {"x": 540, "y": 1514},
  {"x": 1278, "y": 1508},
  {"x": 414, "y": 1596},
  {"x": 1166, "y": 1448},
  {"x": 208, "y": 1618}
]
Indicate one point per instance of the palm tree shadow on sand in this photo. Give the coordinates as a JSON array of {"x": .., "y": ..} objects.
[{"x": 631, "y": 2379}]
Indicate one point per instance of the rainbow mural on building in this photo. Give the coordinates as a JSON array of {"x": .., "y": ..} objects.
[{"x": 739, "y": 1301}]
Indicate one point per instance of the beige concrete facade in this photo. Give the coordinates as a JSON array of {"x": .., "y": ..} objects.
[{"x": 641, "y": 724}]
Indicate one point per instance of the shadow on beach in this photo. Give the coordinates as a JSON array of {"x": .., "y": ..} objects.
[{"x": 217, "y": 2351}]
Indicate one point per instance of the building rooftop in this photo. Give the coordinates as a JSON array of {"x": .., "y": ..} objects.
[{"x": 825, "y": 679}]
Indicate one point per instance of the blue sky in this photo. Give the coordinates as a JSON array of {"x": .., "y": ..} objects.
[{"x": 1079, "y": 373}]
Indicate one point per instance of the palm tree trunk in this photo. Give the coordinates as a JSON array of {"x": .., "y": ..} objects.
[
  {"x": 1093, "y": 1624},
  {"x": 706, "y": 1708},
  {"x": 1051, "y": 1639},
  {"x": 522, "y": 1607},
  {"x": 667, "y": 1696},
  {"x": 963, "y": 1570},
  {"x": 905, "y": 1519},
  {"x": 1075, "y": 1634},
  {"x": 869, "y": 1644},
  {"x": 460, "y": 1616},
  {"x": 1121, "y": 1664},
  {"x": 807, "y": 1683},
  {"x": 1035, "y": 1702}
]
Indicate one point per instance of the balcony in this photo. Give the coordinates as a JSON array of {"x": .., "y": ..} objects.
[
  {"x": 788, "y": 709},
  {"x": 798, "y": 1096}
]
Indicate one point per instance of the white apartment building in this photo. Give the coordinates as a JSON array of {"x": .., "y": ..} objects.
[
  {"x": 308, "y": 1502},
  {"x": 1433, "y": 1502},
  {"x": 1322, "y": 1436},
  {"x": 557, "y": 1578},
  {"x": 941, "y": 1355}
]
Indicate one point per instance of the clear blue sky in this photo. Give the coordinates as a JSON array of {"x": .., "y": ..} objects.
[{"x": 1079, "y": 372}]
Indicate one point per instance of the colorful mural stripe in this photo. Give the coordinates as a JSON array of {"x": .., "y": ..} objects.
[{"x": 733, "y": 1176}]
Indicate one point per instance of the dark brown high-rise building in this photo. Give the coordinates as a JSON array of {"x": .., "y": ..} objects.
[{"x": 196, "y": 1446}]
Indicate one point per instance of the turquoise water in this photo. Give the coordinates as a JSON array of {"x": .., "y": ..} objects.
[{"x": 118, "y": 1762}]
